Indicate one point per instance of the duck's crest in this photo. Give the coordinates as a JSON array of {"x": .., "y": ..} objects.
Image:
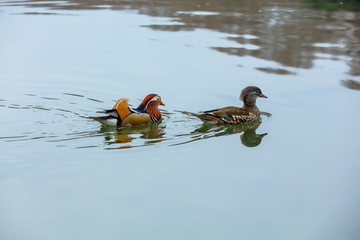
[{"x": 145, "y": 103}]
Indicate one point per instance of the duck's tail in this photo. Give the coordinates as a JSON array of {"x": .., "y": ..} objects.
[
  {"x": 119, "y": 111},
  {"x": 204, "y": 116}
]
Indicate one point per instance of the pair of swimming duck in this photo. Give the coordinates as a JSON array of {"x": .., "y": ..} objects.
[{"x": 148, "y": 110}]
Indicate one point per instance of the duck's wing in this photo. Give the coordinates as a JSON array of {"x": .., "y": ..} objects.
[
  {"x": 232, "y": 115},
  {"x": 122, "y": 108}
]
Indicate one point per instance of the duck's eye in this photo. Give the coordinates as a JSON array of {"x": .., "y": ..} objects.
[{"x": 257, "y": 92}]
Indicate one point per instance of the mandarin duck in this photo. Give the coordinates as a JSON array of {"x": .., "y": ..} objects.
[
  {"x": 234, "y": 115},
  {"x": 146, "y": 112}
]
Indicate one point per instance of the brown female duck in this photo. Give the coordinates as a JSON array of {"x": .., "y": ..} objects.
[{"x": 234, "y": 115}]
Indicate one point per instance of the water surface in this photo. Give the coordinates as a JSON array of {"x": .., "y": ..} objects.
[{"x": 292, "y": 175}]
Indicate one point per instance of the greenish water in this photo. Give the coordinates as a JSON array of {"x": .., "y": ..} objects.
[
  {"x": 292, "y": 175},
  {"x": 334, "y": 5}
]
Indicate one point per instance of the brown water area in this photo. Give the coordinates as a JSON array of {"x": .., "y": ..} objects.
[{"x": 283, "y": 31}]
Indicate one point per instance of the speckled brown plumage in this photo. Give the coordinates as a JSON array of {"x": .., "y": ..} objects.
[{"x": 235, "y": 115}]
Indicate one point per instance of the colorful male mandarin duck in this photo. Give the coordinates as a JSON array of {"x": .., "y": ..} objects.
[
  {"x": 146, "y": 112},
  {"x": 234, "y": 115}
]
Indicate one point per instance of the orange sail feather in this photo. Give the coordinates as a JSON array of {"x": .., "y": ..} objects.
[{"x": 122, "y": 108}]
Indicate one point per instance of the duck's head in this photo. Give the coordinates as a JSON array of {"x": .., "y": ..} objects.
[
  {"x": 249, "y": 94},
  {"x": 151, "y": 100}
]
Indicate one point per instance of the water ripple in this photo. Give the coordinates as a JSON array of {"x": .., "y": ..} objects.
[
  {"x": 75, "y": 126},
  {"x": 172, "y": 132}
]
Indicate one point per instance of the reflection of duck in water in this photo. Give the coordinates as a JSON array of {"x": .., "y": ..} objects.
[
  {"x": 146, "y": 112},
  {"x": 150, "y": 133},
  {"x": 235, "y": 115},
  {"x": 249, "y": 137}
]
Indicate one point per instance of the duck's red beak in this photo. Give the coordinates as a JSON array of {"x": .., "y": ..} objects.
[
  {"x": 262, "y": 95},
  {"x": 161, "y": 103}
]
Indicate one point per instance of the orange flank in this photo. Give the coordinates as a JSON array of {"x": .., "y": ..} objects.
[{"x": 136, "y": 119}]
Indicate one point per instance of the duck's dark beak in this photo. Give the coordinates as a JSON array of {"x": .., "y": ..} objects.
[
  {"x": 162, "y": 104},
  {"x": 263, "y": 96}
]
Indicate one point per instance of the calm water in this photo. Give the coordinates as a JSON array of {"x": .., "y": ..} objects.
[{"x": 292, "y": 175}]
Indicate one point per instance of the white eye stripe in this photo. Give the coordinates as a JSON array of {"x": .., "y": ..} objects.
[{"x": 156, "y": 98}]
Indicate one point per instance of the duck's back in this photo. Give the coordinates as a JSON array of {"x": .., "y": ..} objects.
[{"x": 231, "y": 115}]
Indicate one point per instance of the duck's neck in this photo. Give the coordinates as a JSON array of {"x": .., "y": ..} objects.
[
  {"x": 250, "y": 100},
  {"x": 154, "y": 111},
  {"x": 251, "y": 107},
  {"x": 250, "y": 104}
]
